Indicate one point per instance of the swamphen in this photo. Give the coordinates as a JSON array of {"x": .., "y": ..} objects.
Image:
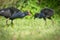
[
  {"x": 12, "y": 13},
  {"x": 45, "y": 13}
]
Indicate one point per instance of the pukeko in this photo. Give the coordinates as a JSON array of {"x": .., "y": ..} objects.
[
  {"x": 12, "y": 13},
  {"x": 45, "y": 13}
]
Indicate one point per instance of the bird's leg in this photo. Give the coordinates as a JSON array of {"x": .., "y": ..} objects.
[
  {"x": 12, "y": 22},
  {"x": 7, "y": 21},
  {"x": 51, "y": 20},
  {"x": 45, "y": 20}
]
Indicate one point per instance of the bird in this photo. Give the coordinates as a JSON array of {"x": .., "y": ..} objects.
[
  {"x": 19, "y": 15},
  {"x": 45, "y": 13},
  {"x": 12, "y": 13}
]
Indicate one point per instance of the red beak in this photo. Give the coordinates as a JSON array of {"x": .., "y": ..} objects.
[{"x": 29, "y": 14}]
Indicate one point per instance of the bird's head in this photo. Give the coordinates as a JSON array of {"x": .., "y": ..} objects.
[
  {"x": 27, "y": 13},
  {"x": 36, "y": 15}
]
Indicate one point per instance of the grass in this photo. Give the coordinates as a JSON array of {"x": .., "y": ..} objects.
[{"x": 30, "y": 29}]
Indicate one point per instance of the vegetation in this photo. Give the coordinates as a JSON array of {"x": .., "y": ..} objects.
[
  {"x": 32, "y": 5},
  {"x": 28, "y": 28}
]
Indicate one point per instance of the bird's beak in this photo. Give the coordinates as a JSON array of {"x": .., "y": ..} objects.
[{"x": 29, "y": 14}]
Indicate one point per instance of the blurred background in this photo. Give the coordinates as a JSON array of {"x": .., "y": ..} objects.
[{"x": 28, "y": 28}]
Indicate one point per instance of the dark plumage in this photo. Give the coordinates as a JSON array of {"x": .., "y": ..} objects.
[
  {"x": 45, "y": 13},
  {"x": 12, "y": 13},
  {"x": 7, "y": 12},
  {"x": 19, "y": 15}
]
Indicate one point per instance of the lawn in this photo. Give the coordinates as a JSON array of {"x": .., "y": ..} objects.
[{"x": 30, "y": 29}]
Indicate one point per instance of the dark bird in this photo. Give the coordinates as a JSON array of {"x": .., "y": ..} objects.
[
  {"x": 13, "y": 13},
  {"x": 45, "y": 13}
]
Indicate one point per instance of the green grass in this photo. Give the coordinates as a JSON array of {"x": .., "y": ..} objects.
[{"x": 30, "y": 29}]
